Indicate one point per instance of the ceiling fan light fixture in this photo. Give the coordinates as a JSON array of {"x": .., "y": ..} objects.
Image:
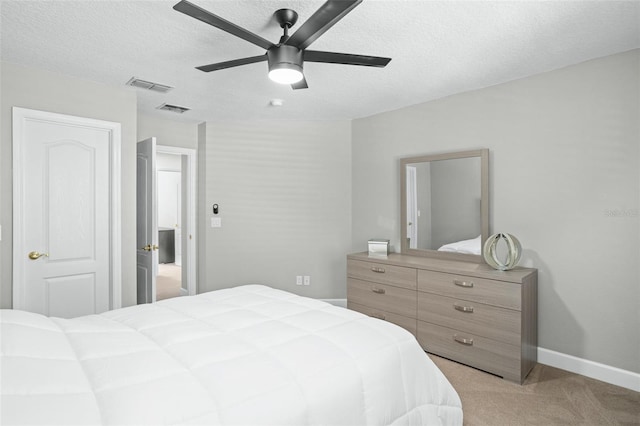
[
  {"x": 285, "y": 64},
  {"x": 285, "y": 74}
]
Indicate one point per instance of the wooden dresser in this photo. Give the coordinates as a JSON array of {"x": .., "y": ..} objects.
[{"x": 464, "y": 311}]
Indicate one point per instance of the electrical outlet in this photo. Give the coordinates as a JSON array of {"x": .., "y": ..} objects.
[
  {"x": 299, "y": 280},
  {"x": 307, "y": 280}
]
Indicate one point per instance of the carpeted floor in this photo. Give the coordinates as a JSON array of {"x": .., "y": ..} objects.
[
  {"x": 549, "y": 396},
  {"x": 168, "y": 281}
]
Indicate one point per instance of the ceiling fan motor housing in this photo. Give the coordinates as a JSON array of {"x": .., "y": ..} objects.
[{"x": 285, "y": 56}]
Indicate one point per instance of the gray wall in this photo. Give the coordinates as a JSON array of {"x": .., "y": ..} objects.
[
  {"x": 42, "y": 90},
  {"x": 167, "y": 202},
  {"x": 564, "y": 178},
  {"x": 455, "y": 195},
  {"x": 168, "y": 130},
  {"x": 285, "y": 201}
]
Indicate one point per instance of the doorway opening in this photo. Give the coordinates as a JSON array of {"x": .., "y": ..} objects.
[
  {"x": 169, "y": 282},
  {"x": 175, "y": 180}
]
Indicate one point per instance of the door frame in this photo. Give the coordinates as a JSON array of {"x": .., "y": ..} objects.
[
  {"x": 412, "y": 207},
  {"x": 21, "y": 115},
  {"x": 189, "y": 197}
]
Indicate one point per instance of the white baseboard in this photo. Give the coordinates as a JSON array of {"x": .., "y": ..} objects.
[
  {"x": 336, "y": 302},
  {"x": 613, "y": 375}
]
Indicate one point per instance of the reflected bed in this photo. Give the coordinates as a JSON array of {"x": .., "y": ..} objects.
[{"x": 472, "y": 246}]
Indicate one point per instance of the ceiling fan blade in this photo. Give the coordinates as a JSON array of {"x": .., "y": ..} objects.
[
  {"x": 234, "y": 63},
  {"x": 202, "y": 15},
  {"x": 324, "y": 18},
  {"x": 302, "y": 84},
  {"x": 345, "y": 58}
]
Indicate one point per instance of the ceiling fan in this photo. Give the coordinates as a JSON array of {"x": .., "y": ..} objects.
[{"x": 286, "y": 58}]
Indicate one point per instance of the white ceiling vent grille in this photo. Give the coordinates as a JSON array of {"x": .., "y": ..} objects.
[
  {"x": 148, "y": 85},
  {"x": 173, "y": 108}
]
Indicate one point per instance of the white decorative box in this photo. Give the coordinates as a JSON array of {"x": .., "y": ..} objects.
[{"x": 378, "y": 247}]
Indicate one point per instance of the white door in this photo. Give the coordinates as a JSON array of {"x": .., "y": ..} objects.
[
  {"x": 63, "y": 214},
  {"x": 147, "y": 222}
]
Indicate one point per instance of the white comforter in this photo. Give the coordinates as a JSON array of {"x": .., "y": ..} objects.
[{"x": 246, "y": 355}]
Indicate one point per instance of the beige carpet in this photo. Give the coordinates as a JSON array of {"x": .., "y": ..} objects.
[
  {"x": 168, "y": 281},
  {"x": 549, "y": 396}
]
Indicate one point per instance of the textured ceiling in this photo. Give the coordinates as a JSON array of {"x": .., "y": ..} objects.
[{"x": 438, "y": 48}]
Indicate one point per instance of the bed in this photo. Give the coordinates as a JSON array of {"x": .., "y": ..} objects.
[{"x": 244, "y": 355}]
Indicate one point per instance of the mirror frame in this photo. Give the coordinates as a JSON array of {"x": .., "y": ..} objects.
[{"x": 483, "y": 154}]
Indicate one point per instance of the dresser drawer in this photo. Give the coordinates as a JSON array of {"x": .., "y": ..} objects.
[
  {"x": 382, "y": 297},
  {"x": 407, "y": 323},
  {"x": 498, "y": 293},
  {"x": 385, "y": 274},
  {"x": 486, "y": 354},
  {"x": 472, "y": 317}
]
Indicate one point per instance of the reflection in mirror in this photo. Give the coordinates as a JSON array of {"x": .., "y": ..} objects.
[{"x": 445, "y": 204}]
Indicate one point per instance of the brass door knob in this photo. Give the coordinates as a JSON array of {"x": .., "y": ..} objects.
[
  {"x": 147, "y": 247},
  {"x": 34, "y": 255}
]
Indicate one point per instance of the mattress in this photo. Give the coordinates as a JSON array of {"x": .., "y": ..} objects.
[{"x": 244, "y": 355}]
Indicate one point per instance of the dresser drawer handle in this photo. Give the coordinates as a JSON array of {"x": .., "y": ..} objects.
[
  {"x": 378, "y": 290},
  {"x": 468, "y": 309},
  {"x": 463, "y": 340},
  {"x": 378, "y": 270},
  {"x": 379, "y": 316},
  {"x": 463, "y": 283}
]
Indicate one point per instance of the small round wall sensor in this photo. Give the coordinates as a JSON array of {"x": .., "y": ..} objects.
[{"x": 276, "y": 102}]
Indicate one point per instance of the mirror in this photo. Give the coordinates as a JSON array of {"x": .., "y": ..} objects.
[{"x": 445, "y": 205}]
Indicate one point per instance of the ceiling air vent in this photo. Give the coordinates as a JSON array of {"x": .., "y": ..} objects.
[
  {"x": 143, "y": 84},
  {"x": 173, "y": 108}
]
